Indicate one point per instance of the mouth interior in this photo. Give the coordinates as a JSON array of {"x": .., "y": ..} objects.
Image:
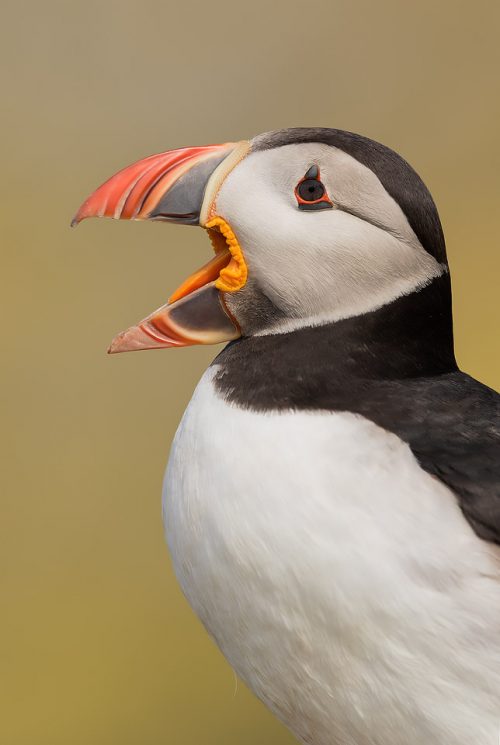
[{"x": 227, "y": 268}]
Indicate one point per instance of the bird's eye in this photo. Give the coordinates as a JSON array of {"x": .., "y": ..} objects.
[
  {"x": 310, "y": 190},
  {"x": 311, "y": 193}
]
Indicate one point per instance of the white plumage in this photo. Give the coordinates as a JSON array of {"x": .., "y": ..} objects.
[
  {"x": 340, "y": 580},
  {"x": 351, "y": 586}
]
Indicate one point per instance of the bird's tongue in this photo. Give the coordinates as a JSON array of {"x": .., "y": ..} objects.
[{"x": 209, "y": 272}]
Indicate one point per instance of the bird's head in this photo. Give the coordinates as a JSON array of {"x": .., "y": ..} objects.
[{"x": 308, "y": 226}]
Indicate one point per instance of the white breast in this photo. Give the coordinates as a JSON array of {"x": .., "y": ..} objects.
[{"x": 339, "y": 579}]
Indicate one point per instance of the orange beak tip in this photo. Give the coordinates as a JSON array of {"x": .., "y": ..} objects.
[
  {"x": 121, "y": 342},
  {"x": 114, "y": 347},
  {"x": 136, "y": 338},
  {"x": 124, "y": 342}
]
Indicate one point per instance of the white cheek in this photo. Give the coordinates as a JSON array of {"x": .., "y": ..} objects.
[
  {"x": 323, "y": 265},
  {"x": 332, "y": 262}
]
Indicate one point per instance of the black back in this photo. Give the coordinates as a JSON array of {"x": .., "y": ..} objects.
[{"x": 396, "y": 367}]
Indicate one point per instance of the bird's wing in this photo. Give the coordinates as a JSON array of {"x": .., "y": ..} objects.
[{"x": 452, "y": 424}]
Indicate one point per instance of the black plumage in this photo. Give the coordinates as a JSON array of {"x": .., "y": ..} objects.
[{"x": 396, "y": 367}]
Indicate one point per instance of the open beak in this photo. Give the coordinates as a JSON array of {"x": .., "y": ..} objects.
[{"x": 180, "y": 186}]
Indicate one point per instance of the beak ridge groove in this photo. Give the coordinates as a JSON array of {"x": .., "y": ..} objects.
[{"x": 168, "y": 186}]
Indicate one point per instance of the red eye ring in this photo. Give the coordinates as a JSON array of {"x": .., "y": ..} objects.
[{"x": 311, "y": 193}]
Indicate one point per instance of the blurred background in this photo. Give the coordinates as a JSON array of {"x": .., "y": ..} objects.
[{"x": 97, "y": 644}]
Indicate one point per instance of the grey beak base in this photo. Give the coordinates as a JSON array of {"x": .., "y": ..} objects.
[{"x": 182, "y": 202}]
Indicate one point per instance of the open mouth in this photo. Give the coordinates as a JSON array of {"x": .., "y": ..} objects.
[
  {"x": 180, "y": 186},
  {"x": 227, "y": 269},
  {"x": 196, "y": 312}
]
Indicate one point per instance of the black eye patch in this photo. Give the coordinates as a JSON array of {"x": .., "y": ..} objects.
[{"x": 311, "y": 193}]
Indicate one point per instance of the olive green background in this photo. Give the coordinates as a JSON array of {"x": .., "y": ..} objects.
[{"x": 97, "y": 644}]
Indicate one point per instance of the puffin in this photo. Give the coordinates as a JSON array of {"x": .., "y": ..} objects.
[{"x": 332, "y": 497}]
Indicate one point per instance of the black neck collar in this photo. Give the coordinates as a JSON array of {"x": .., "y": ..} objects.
[{"x": 411, "y": 337}]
